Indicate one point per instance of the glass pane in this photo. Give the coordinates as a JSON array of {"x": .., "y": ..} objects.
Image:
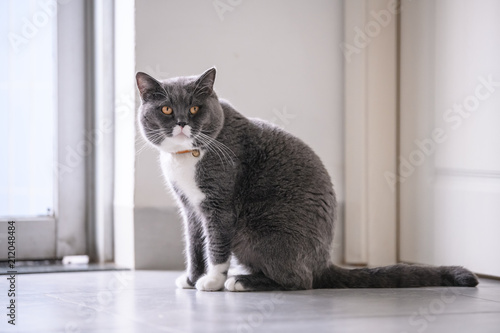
[{"x": 27, "y": 106}]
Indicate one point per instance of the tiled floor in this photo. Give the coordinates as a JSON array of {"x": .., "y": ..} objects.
[{"x": 147, "y": 301}]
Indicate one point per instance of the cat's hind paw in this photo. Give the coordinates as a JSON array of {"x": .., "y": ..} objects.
[
  {"x": 182, "y": 282},
  {"x": 233, "y": 285}
]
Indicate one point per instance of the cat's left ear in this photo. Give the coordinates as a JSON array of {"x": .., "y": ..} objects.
[{"x": 205, "y": 83}]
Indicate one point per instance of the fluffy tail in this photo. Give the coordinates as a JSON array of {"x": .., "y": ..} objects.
[{"x": 396, "y": 276}]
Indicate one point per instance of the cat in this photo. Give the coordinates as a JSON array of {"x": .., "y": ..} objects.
[{"x": 248, "y": 189}]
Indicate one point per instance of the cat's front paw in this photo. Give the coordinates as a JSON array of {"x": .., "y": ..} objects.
[
  {"x": 182, "y": 282},
  {"x": 211, "y": 282},
  {"x": 233, "y": 285}
]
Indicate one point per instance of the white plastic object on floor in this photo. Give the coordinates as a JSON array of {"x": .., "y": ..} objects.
[{"x": 75, "y": 260}]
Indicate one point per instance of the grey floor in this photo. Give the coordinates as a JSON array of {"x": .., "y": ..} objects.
[{"x": 147, "y": 301}]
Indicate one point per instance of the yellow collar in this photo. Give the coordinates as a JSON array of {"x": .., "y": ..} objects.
[{"x": 194, "y": 152}]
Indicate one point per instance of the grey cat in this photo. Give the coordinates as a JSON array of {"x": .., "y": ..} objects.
[{"x": 249, "y": 189}]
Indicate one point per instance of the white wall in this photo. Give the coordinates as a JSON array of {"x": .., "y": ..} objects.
[
  {"x": 449, "y": 202},
  {"x": 274, "y": 58}
]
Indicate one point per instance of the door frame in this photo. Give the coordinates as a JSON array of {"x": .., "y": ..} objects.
[{"x": 371, "y": 127}]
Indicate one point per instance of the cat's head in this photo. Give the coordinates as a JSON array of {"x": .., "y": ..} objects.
[{"x": 177, "y": 114}]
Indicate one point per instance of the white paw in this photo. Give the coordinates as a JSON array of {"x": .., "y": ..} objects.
[
  {"x": 211, "y": 282},
  {"x": 181, "y": 282},
  {"x": 232, "y": 285}
]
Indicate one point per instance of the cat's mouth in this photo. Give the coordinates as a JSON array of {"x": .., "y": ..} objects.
[
  {"x": 180, "y": 139},
  {"x": 182, "y": 131}
]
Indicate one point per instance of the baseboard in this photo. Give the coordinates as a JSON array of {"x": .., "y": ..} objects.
[{"x": 158, "y": 239}]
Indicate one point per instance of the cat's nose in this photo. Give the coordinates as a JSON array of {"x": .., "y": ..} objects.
[{"x": 181, "y": 123}]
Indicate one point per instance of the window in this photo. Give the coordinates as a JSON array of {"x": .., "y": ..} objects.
[
  {"x": 42, "y": 121},
  {"x": 27, "y": 95}
]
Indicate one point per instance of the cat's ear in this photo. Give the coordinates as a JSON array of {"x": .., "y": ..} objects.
[
  {"x": 205, "y": 84},
  {"x": 147, "y": 86}
]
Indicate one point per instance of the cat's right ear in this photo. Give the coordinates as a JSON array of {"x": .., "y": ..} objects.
[{"x": 147, "y": 86}]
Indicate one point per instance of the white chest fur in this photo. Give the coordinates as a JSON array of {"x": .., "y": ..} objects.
[{"x": 180, "y": 171}]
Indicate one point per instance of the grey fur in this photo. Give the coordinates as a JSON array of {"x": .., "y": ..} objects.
[{"x": 268, "y": 198}]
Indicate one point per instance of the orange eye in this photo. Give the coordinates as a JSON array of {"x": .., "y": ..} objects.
[
  {"x": 167, "y": 110},
  {"x": 194, "y": 109}
]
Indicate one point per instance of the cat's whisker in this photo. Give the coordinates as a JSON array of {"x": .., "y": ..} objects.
[
  {"x": 216, "y": 147},
  {"x": 220, "y": 144},
  {"x": 220, "y": 147},
  {"x": 224, "y": 153},
  {"x": 222, "y": 156},
  {"x": 210, "y": 148},
  {"x": 155, "y": 131},
  {"x": 145, "y": 143},
  {"x": 153, "y": 136},
  {"x": 142, "y": 148}
]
